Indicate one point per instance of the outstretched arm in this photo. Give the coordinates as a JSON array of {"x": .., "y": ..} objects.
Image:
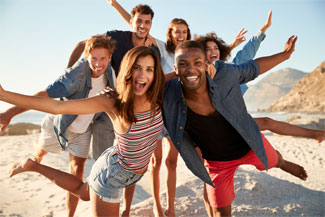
[
  {"x": 250, "y": 49},
  {"x": 83, "y": 106},
  {"x": 5, "y": 117},
  {"x": 267, "y": 63},
  {"x": 267, "y": 23},
  {"x": 287, "y": 129},
  {"x": 240, "y": 38},
  {"x": 123, "y": 13}
]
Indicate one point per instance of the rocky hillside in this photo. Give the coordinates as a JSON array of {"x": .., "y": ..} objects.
[
  {"x": 271, "y": 88},
  {"x": 307, "y": 96}
]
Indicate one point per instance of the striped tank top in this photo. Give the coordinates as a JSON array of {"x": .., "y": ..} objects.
[{"x": 135, "y": 147}]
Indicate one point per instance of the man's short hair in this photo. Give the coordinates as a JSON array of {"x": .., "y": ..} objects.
[
  {"x": 142, "y": 9},
  {"x": 190, "y": 44},
  {"x": 99, "y": 41}
]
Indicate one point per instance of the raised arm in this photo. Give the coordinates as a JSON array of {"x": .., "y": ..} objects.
[
  {"x": 122, "y": 12},
  {"x": 76, "y": 53},
  {"x": 240, "y": 38},
  {"x": 91, "y": 105},
  {"x": 5, "y": 117},
  {"x": 250, "y": 49},
  {"x": 267, "y": 63}
]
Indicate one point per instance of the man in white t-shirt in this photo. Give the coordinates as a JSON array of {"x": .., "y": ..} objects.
[{"x": 72, "y": 133}]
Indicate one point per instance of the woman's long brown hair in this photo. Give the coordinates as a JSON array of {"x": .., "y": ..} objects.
[{"x": 124, "y": 84}]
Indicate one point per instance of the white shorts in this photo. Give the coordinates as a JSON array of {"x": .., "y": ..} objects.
[{"x": 78, "y": 143}]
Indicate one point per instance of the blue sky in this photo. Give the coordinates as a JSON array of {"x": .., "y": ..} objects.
[{"x": 37, "y": 36}]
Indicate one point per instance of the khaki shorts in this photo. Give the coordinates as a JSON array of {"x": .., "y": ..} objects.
[{"x": 78, "y": 143}]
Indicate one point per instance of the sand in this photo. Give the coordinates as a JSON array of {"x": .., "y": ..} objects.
[{"x": 272, "y": 193}]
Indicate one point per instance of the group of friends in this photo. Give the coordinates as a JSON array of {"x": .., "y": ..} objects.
[{"x": 130, "y": 90}]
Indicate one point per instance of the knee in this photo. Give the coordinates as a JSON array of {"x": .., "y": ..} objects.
[
  {"x": 280, "y": 160},
  {"x": 76, "y": 169},
  {"x": 171, "y": 163},
  {"x": 156, "y": 162}
]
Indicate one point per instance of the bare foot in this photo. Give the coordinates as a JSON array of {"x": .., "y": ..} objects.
[
  {"x": 157, "y": 211},
  {"x": 20, "y": 167},
  {"x": 125, "y": 213},
  {"x": 319, "y": 136},
  {"x": 294, "y": 169},
  {"x": 169, "y": 213}
]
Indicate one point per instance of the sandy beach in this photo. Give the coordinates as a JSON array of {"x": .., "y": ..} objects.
[{"x": 272, "y": 193}]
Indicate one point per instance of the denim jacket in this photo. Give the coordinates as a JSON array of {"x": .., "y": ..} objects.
[
  {"x": 226, "y": 97},
  {"x": 75, "y": 83}
]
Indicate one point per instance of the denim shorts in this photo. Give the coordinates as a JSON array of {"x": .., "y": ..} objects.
[{"x": 107, "y": 177}]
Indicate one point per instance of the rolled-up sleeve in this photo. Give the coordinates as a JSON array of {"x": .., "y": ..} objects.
[{"x": 69, "y": 82}]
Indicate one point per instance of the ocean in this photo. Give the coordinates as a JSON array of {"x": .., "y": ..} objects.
[{"x": 36, "y": 117}]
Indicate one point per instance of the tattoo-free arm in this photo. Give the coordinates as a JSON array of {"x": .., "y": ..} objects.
[
  {"x": 267, "y": 63},
  {"x": 122, "y": 12},
  {"x": 91, "y": 105},
  {"x": 76, "y": 53},
  {"x": 5, "y": 117}
]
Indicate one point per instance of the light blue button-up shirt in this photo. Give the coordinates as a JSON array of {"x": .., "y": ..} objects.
[
  {"x": 226, "y": 97},
  {"x": 75, "y": 83}
]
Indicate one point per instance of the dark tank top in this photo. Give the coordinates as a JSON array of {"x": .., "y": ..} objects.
[{"x": 215, "y": 136}]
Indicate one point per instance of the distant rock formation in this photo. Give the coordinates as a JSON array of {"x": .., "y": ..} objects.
[
  {"x": 307, "y": 96},
  {"x": 21, "y": 129},
  {"x": 271, "y": 88}
]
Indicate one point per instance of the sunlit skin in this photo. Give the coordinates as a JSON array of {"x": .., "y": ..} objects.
[
  {"x": 141, "y": 25},
  {"x": 179, "y": 34},
  {"x": 191, "y": 67},
  {"x": 143, "y": 75},
  {"x": 98, "y": 61},
  {"x": 212, "y": 51}
]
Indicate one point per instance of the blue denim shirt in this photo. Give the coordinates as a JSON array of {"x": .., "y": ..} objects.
[
  {"x": 248, "y": 52},
  {"x": 226, "y": 97},
  {"x": 75, "y": 83}
]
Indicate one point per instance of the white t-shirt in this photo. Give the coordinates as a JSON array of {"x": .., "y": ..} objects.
[
  {"x": 167, "y": 58},
  {"x": 81, "y": 123}
]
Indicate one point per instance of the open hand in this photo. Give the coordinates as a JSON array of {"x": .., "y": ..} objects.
[
  {"x": 267, "y": 23},
  {"x": 289, "y": 47},
  {"x": 240, "y": 38}
]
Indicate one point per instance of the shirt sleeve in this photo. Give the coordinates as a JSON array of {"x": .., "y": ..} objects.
[
  {"x": 69, "y": 82},
  {"x": 250, "y": 49}
]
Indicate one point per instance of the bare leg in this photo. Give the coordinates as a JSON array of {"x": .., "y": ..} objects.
[
  {"x": 222, "y": 211},
  {"x": 127, "y": 200},
  {"x": 171, "y": 163},
  {"x": 208, "y": 208},
  {"x": 292, "y": 168},
  {"x": 62, "y": 179},
  {"x": 102, "y": 208},
  {"x": 155, "y": 179},
  {"x": 76, "y": 165},
  {"x": 39, "y": 154},
  {"x": 284, "y": 128}
]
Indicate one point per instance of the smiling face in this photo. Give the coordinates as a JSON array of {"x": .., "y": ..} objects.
[
  {"x": 98, "y": 61},
  {"x": 143, "y": 74},
  {"x": 212, "y": 51},
  {"x": 179, "y": 33},
  {"x": 141, "y": 24},
  {"x": 191, "y": 67}
]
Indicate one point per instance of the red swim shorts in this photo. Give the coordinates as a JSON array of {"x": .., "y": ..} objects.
[{"x": 222, "y": 174}]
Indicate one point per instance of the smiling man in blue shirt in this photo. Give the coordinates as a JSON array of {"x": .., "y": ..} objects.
[{"x": 210, "y": 114}]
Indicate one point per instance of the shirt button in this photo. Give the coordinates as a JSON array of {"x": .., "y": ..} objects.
[
  {"x": 183, "y": 111},
  {"x": 181, "y": 127},
  {"x": 178, "y": 143}
]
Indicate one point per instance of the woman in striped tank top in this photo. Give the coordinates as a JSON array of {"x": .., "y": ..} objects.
[{"x": 135, "y": 110}]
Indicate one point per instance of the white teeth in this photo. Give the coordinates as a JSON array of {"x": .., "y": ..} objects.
[
  {"x": 192, "y": 78},
  {"x": 141, "y": 82}
]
